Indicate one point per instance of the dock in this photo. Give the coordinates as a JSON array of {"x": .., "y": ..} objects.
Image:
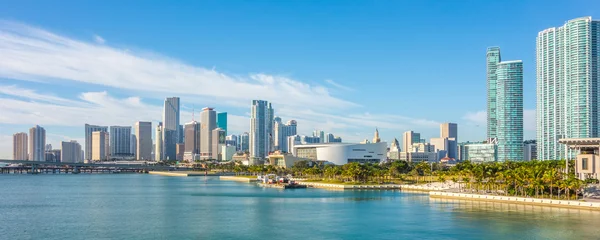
[
  {"x": 238, "y": 179},
  {"x": 282, "y": 186}
]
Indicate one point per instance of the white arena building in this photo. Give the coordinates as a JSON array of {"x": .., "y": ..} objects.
[{"x": 342, "y": 153}]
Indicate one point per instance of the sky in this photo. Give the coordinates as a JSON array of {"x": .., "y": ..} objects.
[{"x": 344, "y": 67}]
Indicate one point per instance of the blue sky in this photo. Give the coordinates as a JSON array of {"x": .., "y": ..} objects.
[{"x": 342, "y": 66}]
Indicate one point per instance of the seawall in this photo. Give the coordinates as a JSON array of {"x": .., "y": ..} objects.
[{"x": 518, "y": 200}]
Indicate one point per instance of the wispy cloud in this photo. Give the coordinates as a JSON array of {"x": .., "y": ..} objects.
[
  {"x": 99, "y": 39},
  {"x": 337, "y": 85},
  {"x": 479, "y": 117},
  {"x": 33, "y": 54}
]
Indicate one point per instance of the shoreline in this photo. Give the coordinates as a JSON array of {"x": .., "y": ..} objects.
[
  {"x": 543, "y": 202},
  {"x": 184, "y": 173}
]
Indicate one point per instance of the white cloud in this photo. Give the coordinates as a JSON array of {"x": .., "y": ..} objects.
[
  {"x": 99, "y": 39},
  {"x": 33, "y": 54},
  {"x": 337, "y": 85},
  {"x": 479, "y": 118},
  {"x": 6, "y": 145}
]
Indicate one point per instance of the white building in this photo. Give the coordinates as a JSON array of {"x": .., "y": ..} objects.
[
  {"x": 158, "y": 149},
  {"x": 227, "y": 153},
  {"x": 342, "y": 153},
  {"x": 261, "y": 129},
  {"x": 208, "y": 123},
  {"x": 408, "y": 139},
  {"x": 37, "y": 143}
]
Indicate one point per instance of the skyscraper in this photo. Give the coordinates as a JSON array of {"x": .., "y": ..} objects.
[
  {"x": 89, "y": 129},
  {"x": 70, "y": 152},
  {"x": 281, "y": 132},
  {"x": 244, "y": 142},
  {"x": 509, "y": 106},
  {"x": 192, "y": 141},
  {"x": 568, "y": 88},
  {"x": 261, "y": 128},
  {"x": 449, "y": 130},
  {"x": 408, "y": 139},
  {"x": 170, "y": 127},
  {"x": 99, "y": 148},
  {"x": 208, "y": 123},
  {"x": 493, "y": 58},
  {"x": 158, "y": 146},
  {"x": 218, "y": 138},
  {"x": 143, "y": 133},
  {"x": 120, "y": 141},
  {"x": 222, "y": 121},
  {"x": 37, "y": 143},
  {"x": 20, "y": 146}
]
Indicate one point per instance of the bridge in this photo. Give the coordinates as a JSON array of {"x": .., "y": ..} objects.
[{"x": 36, "y": 167}]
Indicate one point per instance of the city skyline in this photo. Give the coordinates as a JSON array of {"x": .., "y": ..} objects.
[{"x": 326, "y": 100}]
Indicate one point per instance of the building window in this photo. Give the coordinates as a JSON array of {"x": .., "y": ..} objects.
[{"x": 584, "y": 164}]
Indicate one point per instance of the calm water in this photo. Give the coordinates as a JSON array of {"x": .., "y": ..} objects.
[{"x": 139, "y": 206}]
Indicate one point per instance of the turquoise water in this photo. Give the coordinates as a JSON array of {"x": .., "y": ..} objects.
[{"x": 137, "y": 206}]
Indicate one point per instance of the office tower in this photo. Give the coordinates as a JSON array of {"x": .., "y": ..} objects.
[
  {"x": 37, "y": 143},
  {"x": 170, "y": 127},
  {"x": 568, "y": 103},
  {"x": 208, "y": 123},
  {"x": 530, "y": 151},
  {"x": 376, "y": 138},
  {"x": 493, "y": 58},
  {"x": 192, "y": 141},
  {"x": 53, "y": 155},
  {"x": 281, "y": 132},
  {"x": 133, "y": 146},
  {"x": 232, "y": 140},
  {"x": 158, "y": 149},
  {"x": 218, "y": 138},
  {"x": 120, "y": 141},
  {"x": 180, "y": 134},
  {"x": 509, "y": 107},
  {"x": 89, "y": 129},
  {"x": 449, "y": 130},
  {"x": 20, "y": 146},
  {"x": 99, "y": 148},
  {"x": 70, "y": 152},
  {"x": 180, "y": 151},
  {"x": 261, "y": 128},
  {"x": 48, "y": 147},
  {"x": 320, "y": 135},
  {"x": 408, "y": 139},
  {"x": 244, "y": 142},
  {"x": 143, "y": 133},
  {"x": 222, "y": 121},
  {"x": 293, "y": 141}
]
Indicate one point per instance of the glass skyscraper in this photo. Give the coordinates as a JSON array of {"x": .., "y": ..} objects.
[
  {"x": 567, "y": 66},
  {"x": 222, "y": 121},
  {"x": 509, "y": 110},
  {"x": 261, "y": 129},
  {"x": 493, "y": 58},
  {"x": 170, "y": 128}
]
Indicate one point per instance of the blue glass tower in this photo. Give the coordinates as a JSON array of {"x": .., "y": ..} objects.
[
  {"x": 509, "y": 105},
  {"x": 222, "y": 121}
]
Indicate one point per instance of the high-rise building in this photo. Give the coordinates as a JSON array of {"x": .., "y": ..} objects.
[
  {"x": 99, "y": 140},
  {"x": 48, "y": 147},
  {"x": 509, "y": 107},
  {"x": 281, "y": 132},
  {"x": 53, "y": 155},
  {"x": 218, "y": 138},
  {"x": 320, "y": 135},
  {"x": 143, "y": 133},
  {"x": 493, "y": 58},
  {"x": 244, "y": 142},
  {"x": 222, "y": 121},
  {"x": 192, "y": 141},
  {"x": 37, "y": 143},
  {"x": 408, "y": 139},
  {"x": 180, "y": 134},
  {"x": 133, "y": 146},
  {"x": 120, "y": 142},
  {"x": 208, "y": 123},
  {"x": 158, "y": 146},
  {"x": 261, "y": 128},
  {"x": 568, "y": 92},
  {"x": 89, "y": 129},
  {"x": 180, "y": 151},
  {"x": 20, "y": 146},
  {"x": 449, "y": 130},
  {"x": 70, "y": 152},
  {"x": 170, "y": 128},
  {"x": 530, "y": 150}
]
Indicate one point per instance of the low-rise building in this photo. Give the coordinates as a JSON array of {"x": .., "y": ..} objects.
[
  {"x": 284, "y": 160},
  {"x": 481, "y": 152},
  {"x": 587, "y": 162},
  {"x": 342, "y": 153},
  {"x": 418, "y": 156}
]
